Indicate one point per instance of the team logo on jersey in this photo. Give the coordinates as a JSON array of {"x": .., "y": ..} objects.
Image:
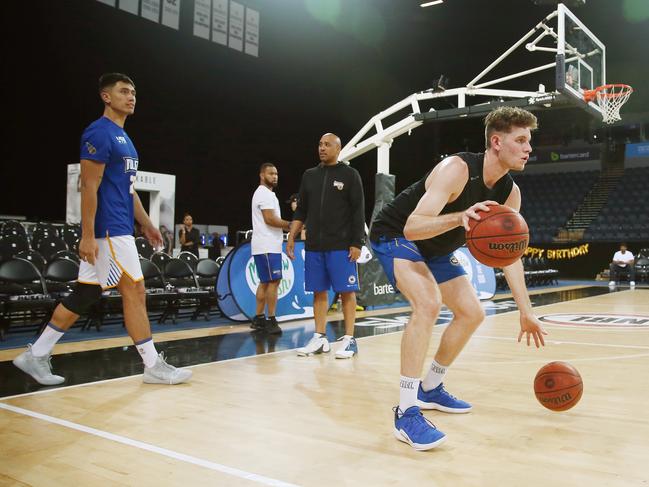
[
  {"x": 91, "y": 148},
  {"x": 454, "y": 260},
  {"x": 130, "y": 164},
  {"x": 120, "y": 139},
  {"x": 338, "y": 185},
  {"x": 351, "y": 279}
]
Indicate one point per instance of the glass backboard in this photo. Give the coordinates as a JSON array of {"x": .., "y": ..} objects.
[{"x": 581, "y": 59}]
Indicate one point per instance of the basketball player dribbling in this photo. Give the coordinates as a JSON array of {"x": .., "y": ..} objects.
[
  {"x": 415, "y": 236},
  {"x": 109, "y": 258}
]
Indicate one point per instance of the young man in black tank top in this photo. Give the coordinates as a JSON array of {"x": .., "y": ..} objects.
[{"x": 414, "y": 237}]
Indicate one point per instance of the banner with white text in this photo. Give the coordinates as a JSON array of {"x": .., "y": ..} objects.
[
  {"x": 130, "y": 6},
  {"x": 151, "y": 10},
  {"x": 202, "y": 11},
  {"x": 235, "y": 38},
  {"x": 171, "y": 13},
  {"x": 220, "y": 22},
  {"x": 252, "y": 32}
]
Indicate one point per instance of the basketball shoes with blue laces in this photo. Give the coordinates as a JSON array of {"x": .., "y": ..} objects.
[
  {"x": 441, "y": 400},
  {"x": 348, "y": 348},
  {"x": 413, "y": 428}
]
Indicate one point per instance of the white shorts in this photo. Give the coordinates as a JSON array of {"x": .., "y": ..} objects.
[{"x": 117, "y": 256}]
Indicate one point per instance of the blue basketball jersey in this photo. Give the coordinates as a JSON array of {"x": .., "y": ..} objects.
[{"x": 106, "y": 142}]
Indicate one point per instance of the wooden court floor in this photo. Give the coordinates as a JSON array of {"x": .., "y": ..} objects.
[{"x": 278, "y": 419}]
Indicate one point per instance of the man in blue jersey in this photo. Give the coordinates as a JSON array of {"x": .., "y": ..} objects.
[{"x": 109, "y": 258}]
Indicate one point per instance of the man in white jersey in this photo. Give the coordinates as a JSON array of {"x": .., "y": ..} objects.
[
  {"x": 267, "y": 236},
  {"x": 109, "y": 206}
]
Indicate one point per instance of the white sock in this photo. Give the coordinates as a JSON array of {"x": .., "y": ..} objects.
[
  {"x": 45, "y": 343},
  {"x": 318, "y": 335},
  {"x": 408, "y": 387},
  {"x": 434, "y": 377},
  {"x": 147, "y": 351}
]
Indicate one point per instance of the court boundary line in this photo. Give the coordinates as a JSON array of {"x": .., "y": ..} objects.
[
  {"x": 436, "y": 326},
  {"x": 182, "y": 457}
]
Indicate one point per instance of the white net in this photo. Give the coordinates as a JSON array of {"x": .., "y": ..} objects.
[{"x": 610, "y": 99}]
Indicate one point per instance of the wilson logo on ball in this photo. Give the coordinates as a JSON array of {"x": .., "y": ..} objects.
[
  {"x": 517, "y": 247},
  {"x": 556, "y": 401}
]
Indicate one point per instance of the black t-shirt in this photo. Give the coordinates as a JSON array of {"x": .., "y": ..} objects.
[
  {"x": 392, "y": 218},
  {"x": 193, "y": 236}
]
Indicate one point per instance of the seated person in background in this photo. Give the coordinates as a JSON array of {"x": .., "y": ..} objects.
[
  {"x": 622, "y": 262},
  {"x": 189, "y": 236}
]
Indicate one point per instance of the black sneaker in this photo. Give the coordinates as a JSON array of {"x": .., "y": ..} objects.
[
  {"x": 258, "y": 323},
  {"x": 272, "y": 328}
]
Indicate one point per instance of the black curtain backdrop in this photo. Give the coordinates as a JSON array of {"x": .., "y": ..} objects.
[{"x": 211, "y": 115}]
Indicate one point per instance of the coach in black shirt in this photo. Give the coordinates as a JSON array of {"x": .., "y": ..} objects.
[
  {"x": 189, "y": 236},
  {"x": 331, "y": 203}
]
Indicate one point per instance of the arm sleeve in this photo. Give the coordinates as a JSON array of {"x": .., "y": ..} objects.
[
  {"x": 95, "y": 145},
  {"x": 303, "y": 203},
  {"x": 357, "y": 202}
]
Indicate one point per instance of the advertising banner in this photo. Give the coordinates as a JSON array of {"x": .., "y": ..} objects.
[
  {"x": 238, "y": 281},
  {"x": 587, "y": 153}
]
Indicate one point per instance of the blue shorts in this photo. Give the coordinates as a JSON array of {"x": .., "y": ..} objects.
[
  {"x": 444, "y": 268},
  {"x": 269, "y": 267},
  {"x": 332, "y": 268}
]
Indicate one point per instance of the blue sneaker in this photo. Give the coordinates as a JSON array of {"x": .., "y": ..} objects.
[
  {"x": 348, "y": 348},
  {"x": 414, "y": 429},
  {"x": 441, "y": 400}
]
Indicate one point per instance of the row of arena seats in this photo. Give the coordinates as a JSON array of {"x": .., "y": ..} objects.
[
  {"x": 537, "y": 273},
  {"x": 46, "y": 239},
  {"x": 29, "y": 295},
  {"x": 549, "y": 200},
  {"x": 625, "y": 217}
]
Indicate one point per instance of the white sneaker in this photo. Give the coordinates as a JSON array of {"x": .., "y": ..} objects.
[
  {"x": 632, "y": 284},
  {"x": 611, "y": 283},
  {"x": 163, "y": 373},
  {"x": 347, "y": 349},
  {"x": 316, "y": 345},
  {"x": 40, "y": 368}
]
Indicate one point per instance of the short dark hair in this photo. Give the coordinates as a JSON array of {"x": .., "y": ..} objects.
[
  {"x": 186, "y": 214},
  {"x": 263, "y": 167},
  {"x": 502, "y": 119},
  {"x": 108, "y": 80}
]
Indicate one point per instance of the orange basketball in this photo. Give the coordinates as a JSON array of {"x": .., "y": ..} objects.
[
  {"x": 558, "y": 386},
  {"x": 499, "y": 238}
]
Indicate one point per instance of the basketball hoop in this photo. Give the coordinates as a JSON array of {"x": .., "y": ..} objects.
[{"x": 610, "y": 99}]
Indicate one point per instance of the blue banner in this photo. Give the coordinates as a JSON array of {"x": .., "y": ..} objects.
[
  {"x": 637, "y": 150},
  {"x": 238, "y": 282}
]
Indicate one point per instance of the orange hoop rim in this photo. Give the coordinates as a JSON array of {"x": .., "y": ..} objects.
[{"x": 624, "y": 90}]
